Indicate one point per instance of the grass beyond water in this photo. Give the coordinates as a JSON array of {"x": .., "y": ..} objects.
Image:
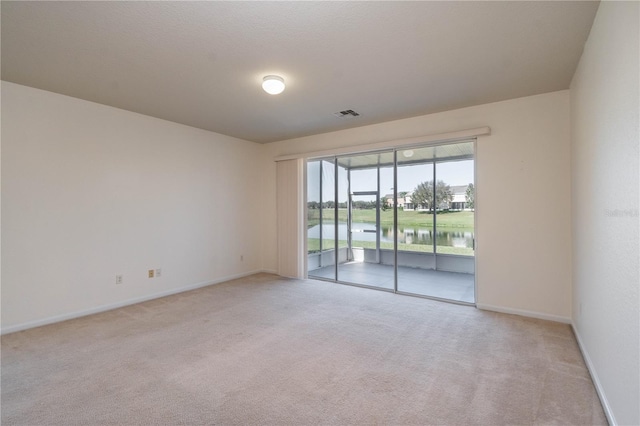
[
  {"x": 462, "y": 221},
  {"x": 406, "y": 219}
]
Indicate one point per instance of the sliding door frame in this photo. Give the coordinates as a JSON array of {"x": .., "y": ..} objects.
[{"x": 395, "y": 150}]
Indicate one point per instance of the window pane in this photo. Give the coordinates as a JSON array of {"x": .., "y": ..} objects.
[
  {"x": 415, "y": 207},
  {"x": 343, "y": 200},
  {"x": 328, "y": 208},
  {"x": 313, "y": 207},
  {"x": 455, "y": 201}
]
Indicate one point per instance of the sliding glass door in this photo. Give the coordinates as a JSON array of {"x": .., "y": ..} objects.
[
  {"x": 321, "y": 218},
  {"x": 399, "y": 220},
  {"x": 366, "y": 261},
  {"x": 436, "y": 223},
  {"x": 416, "y": 259}
]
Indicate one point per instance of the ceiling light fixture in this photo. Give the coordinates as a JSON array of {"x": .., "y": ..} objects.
[
  {"x": 408, "y": 153},
  {"x": 273, "y": 84}
]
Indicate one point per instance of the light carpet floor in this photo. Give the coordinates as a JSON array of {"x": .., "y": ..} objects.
[{"x": 273, "y": 351}]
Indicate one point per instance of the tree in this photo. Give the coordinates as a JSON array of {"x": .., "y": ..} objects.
[
  {"x": 385, "y": 204},
  {"x": 470, "y": 196},
  {"x": 423, "y": 195},
  {"x": 444, "y": 196}
]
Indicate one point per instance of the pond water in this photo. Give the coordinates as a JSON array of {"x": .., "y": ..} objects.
[{"x": 408, "y": 235}]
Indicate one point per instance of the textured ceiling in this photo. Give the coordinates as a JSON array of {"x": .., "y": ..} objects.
[{"x": 201, "y": 63}]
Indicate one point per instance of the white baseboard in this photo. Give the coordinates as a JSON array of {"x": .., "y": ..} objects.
[
  {"x": 585, "y": 355},
  {"x": 110, "y": 306},
  {"x": 596, "y": 381},
  {"x": 523, "y": 313}
]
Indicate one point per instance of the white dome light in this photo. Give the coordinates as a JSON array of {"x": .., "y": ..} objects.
[{"x": 273, "y": 84}]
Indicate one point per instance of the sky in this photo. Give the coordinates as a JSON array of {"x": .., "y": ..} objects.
[{"x": 453, "y": 173}]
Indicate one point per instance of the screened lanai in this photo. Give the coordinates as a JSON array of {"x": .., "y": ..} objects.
[{"x": 399, "y": 220}]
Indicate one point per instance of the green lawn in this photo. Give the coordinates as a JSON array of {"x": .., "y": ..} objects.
[{"x": 405, "y": 218}]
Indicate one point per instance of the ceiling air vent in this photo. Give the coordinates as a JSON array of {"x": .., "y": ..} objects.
[{"x": 345, "y": 113}]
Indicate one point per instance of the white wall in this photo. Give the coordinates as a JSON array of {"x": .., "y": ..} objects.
[
  {"x": 290, "y": 207},
  {"x": 90, "y": 191},
  {"x": 604, "y": 117},
  {"x": 523, "y": 184}
]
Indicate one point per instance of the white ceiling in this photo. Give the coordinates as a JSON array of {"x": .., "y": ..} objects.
[{"x": 201, "y": 63}]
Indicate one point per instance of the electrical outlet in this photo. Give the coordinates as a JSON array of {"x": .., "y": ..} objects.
[
  {"x": 151, "y": 272},
  {"x": 241, "y": 258},
  {"x": 118, "y": 279},
  {"x": 158, "y": 272}
]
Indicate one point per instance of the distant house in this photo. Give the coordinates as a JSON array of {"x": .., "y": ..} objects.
[
  {"x": 408, "y": 204},
  {"x": 458, "y": 202},
  {"x": 401, "y": 202}
]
